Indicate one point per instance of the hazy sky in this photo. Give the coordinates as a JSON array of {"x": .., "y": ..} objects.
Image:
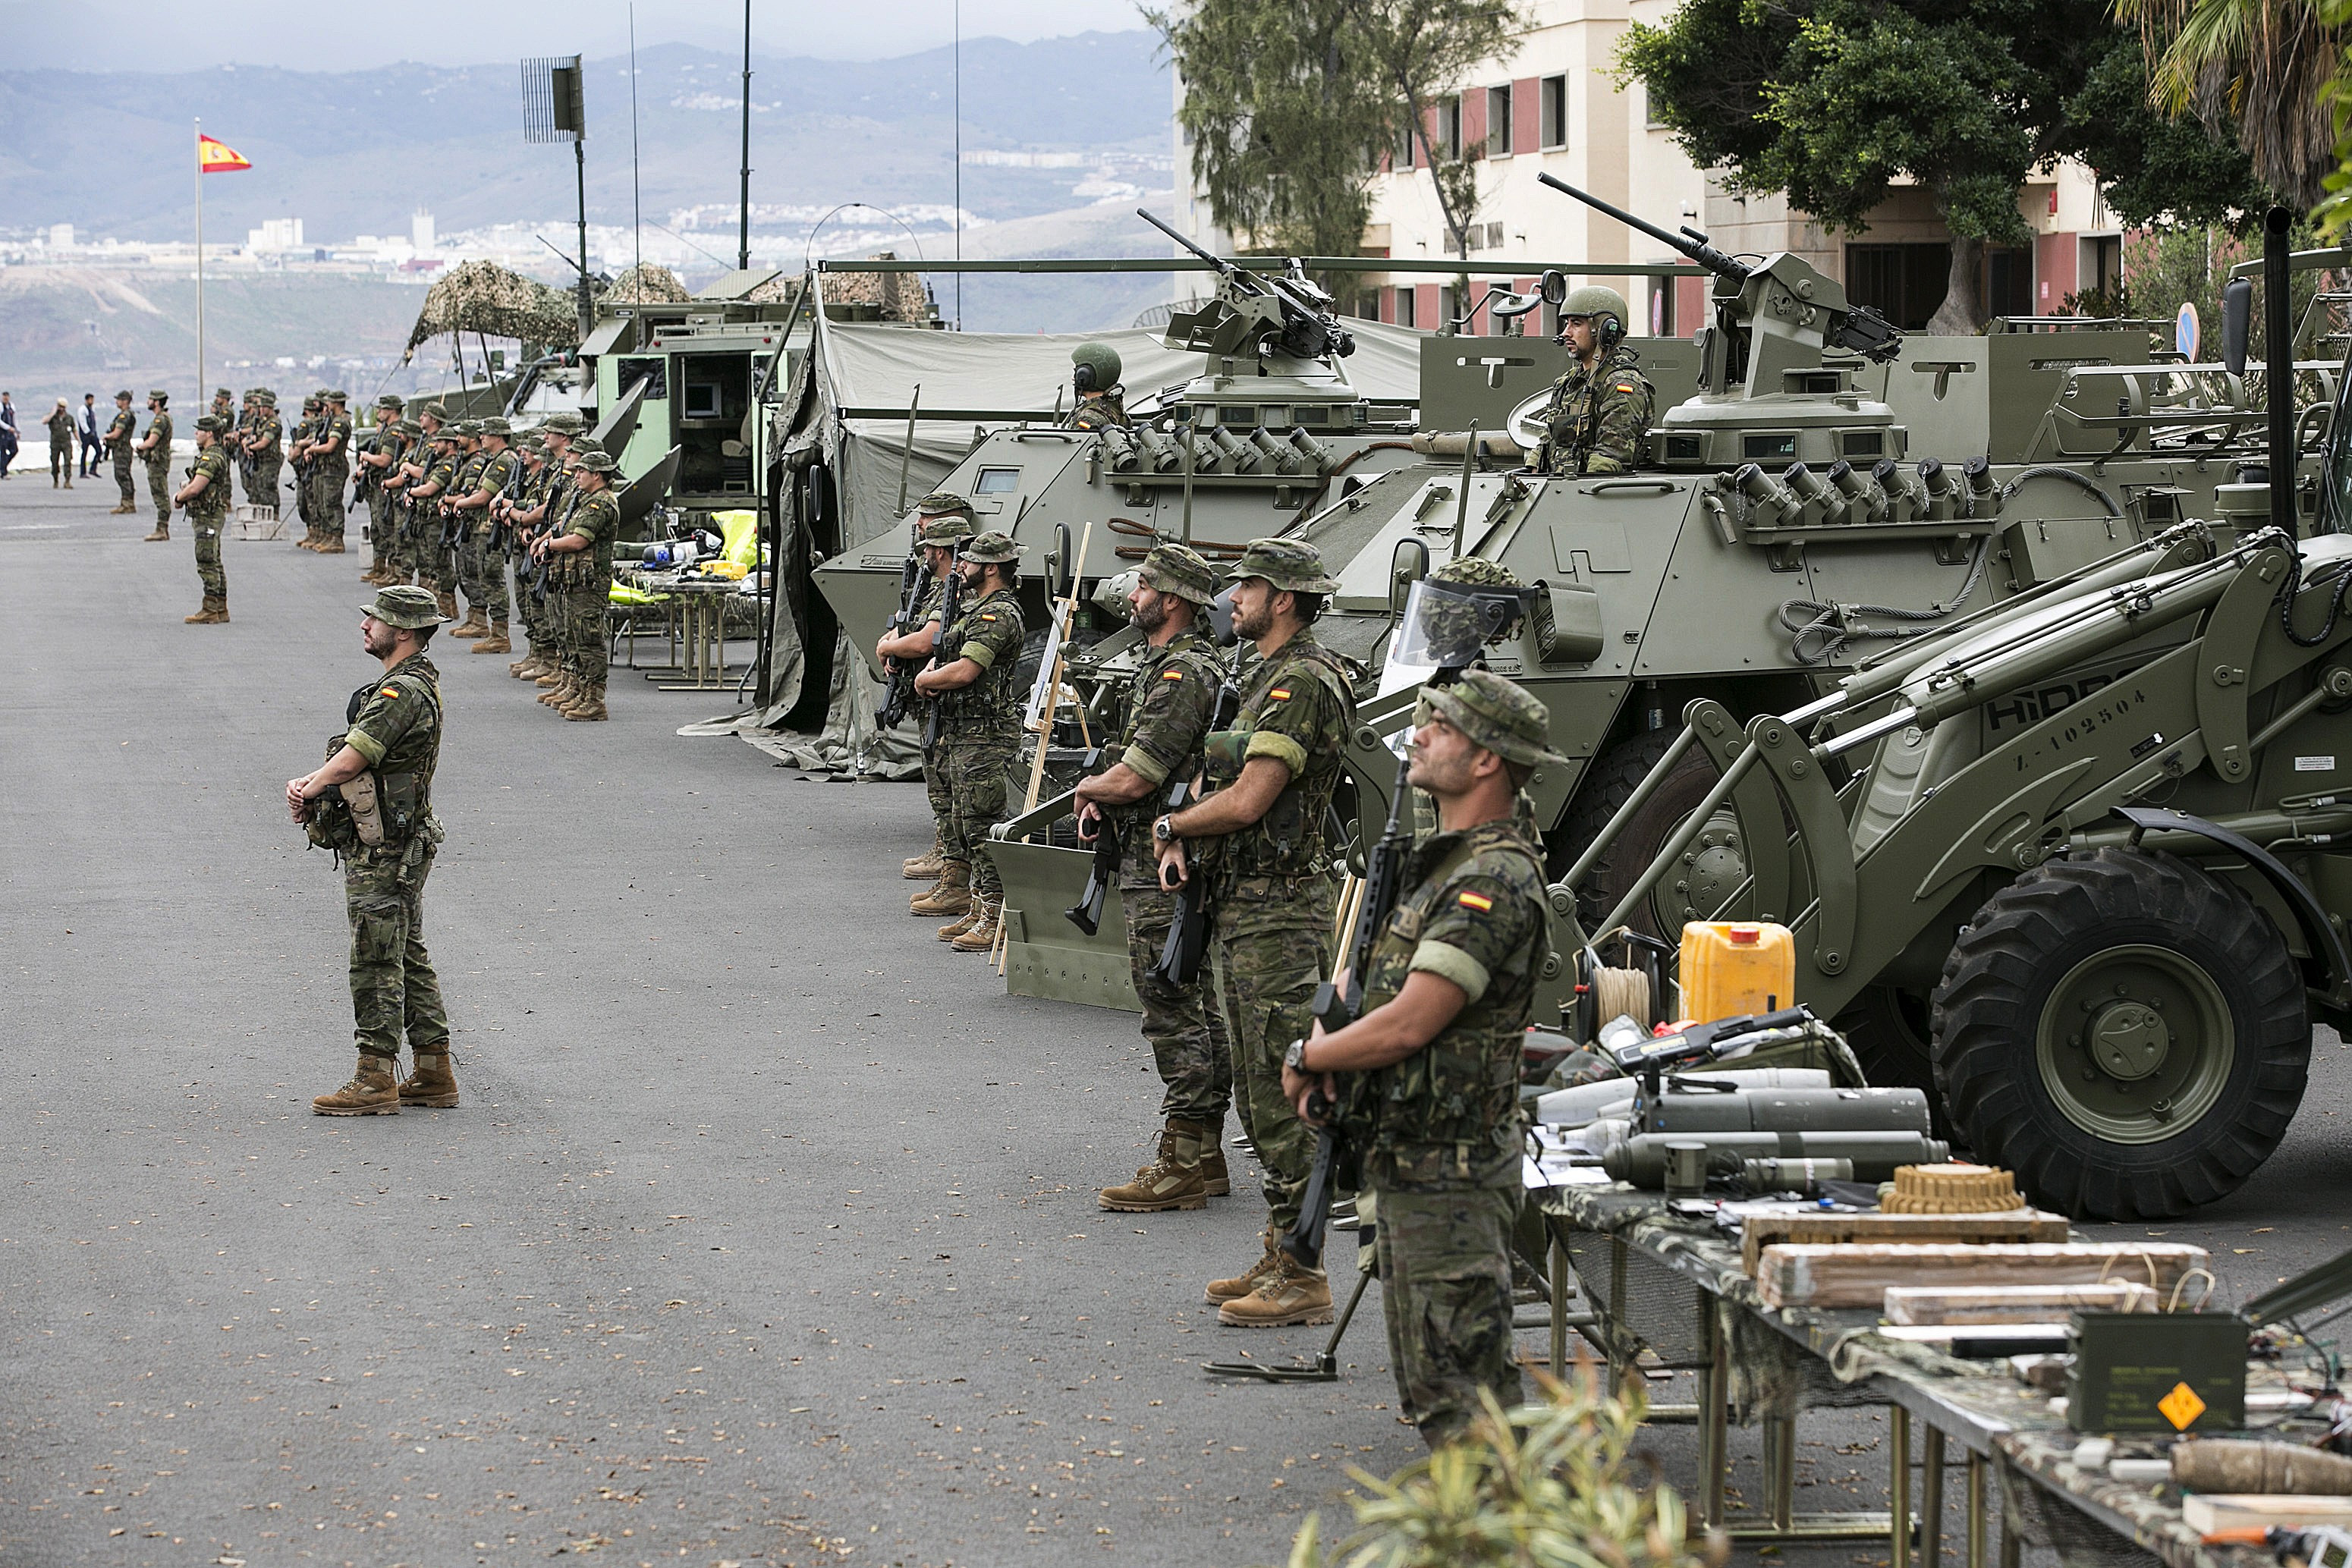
[{"x": 75, "y": 35}]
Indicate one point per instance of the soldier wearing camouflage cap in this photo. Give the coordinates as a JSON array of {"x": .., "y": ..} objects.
[
  {"x": 971, "y": 680},
  {"x": 481, "y": 549},
  {"x": 1101, "y": 400},
  {"x": 119, "y": 435},
  {"x": 1598, "y": 421},
  {"x": 154, "y": 449},
  {"x": 1258, "y": 836},
  {"x": 329, "y": 454},
  {"x": 264, "y": 445},
  {"x": 580, "y": 563},
  {"x": 298, "y": 459},
  {"x": 371, "y": 803},
  {"x": 1177, "y": 678},
  {"x": 941, "y": 522},
  {"x": 206, "y": 497},
  {"x": 547, "y": 500},
  {"x": 1434, "y": 1087},
  {"x": 428, "y": 476}
]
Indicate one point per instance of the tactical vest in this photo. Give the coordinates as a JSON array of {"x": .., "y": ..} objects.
[
  {"x": 400, "y": 784},
  {"x": 989, "y": 708},
  {"x": 1289, "y": 841}
]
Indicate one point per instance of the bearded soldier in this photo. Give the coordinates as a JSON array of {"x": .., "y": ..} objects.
[
  {"x": 971, "y": 678},
  {"x": 119, "y": 435},
  {"x": 154, "y": 449}
]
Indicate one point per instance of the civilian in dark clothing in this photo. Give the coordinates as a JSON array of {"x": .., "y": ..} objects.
[
  {"x": 7, "y": 433},
  {"x": 86, "y": 426}
]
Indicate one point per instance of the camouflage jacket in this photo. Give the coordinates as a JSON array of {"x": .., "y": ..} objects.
[
  {"x": 61, "y": 427},
  {"x": 465, "y": 482},
  {"x": 1598, "y": 424},
  {"x": 499, "y": 472},
  {"x": 212, "y": 504},
  {"x": 118, "y": 433},
  {"x": 1167, "y": 719},
  {"x": 160, "y": 427},
  {"x": 1094, "y": 414},
  {"x": 597, "y": 519},
  {"x": 394, "y": 722},
  {"x": 266, "y": 434},
  {"x": 335, "y": 429},
  {"x": 1473, "y": 913},
  {"x": 990, "y": 634},
  {"x": 1296, "y": 708}
]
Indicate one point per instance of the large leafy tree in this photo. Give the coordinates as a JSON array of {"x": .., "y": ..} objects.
[
  {"x": 2261, "y": 73},
  {"x": 1291, "y": 103},
  {"x": 1834, "y": 101}
]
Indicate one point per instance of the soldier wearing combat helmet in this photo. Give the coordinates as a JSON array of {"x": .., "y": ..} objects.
[
  {"x": 1094, "y": 376},
  {"x": 942, "y": 520},
  {"x": 1599, "y": 415},
  {"x": 1177, "y": 677},
  {"x": 1428, "y": 1076}
]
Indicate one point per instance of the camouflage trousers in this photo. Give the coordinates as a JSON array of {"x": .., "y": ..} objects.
[
  {"x": 943, "y": 797},
  {"x": 976, "y": 766},
  {"x": 262, "y": 490},
  {"x": 393, "y": 988},
  {"x": 1444, "y": 1258},
  {"x": 159, "y": 490},
  {"x": 529, "y": 609},
  {"x": 1274, "y": 947},
  {"x": 123, "y": 474},
  {"x": 587, "y": 618},
  {"x": 305, "y": 487},
  {"x": 437, "y": 565},
  {"x": 379, "y": 523},
  {"x": 482, "y": 574},
  {"x": 1184, "y": 1023},
  {"x": 208, "y": 555},
  {"x": 327, "y": 500}
]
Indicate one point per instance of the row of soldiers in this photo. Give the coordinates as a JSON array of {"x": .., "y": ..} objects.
[{"x": 1218, "y": 788}]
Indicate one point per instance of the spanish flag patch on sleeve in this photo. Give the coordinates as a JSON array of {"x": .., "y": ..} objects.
[
  {"x": 1478, "y": 902},
  {"x": 1623, "y": 387},
  {"x": 1173, "y": 675},
  {"x": 1279, "y": 694},
  {"x": 389, "y": 691}
]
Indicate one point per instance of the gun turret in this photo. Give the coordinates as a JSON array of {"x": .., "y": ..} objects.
[
  {"x": 1289, "y": 315},
  {"x": 1690, "y": 243}
]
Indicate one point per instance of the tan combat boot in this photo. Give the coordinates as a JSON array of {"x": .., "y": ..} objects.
[
  {"x": 925, "y": 867},
  {"x": 1219, "y": 1291},
  {"x": 162, "y": 531},
  {"x": 980, "y": 936},
  {"x": 952, "y": 894},
  {"x": 332, "y": 544},
  {"x": 432, "y": 1084},
  {"x": 962, "y": 922},
  {"x": 1215, "y": 1179},
  {"x": 552, "y": 675},
  {"x": 472, "y": 626},
  {"x": 446, "y": 600},
  {"x": 496, "y": 643},
  {"x": 587, "y": 708},
  {"x": 1289, "y": 1293},
  {"x": 214, "y": 613},
  {"x": 372, "y": 1092},
  {"x": 1170, "y": 1181}
]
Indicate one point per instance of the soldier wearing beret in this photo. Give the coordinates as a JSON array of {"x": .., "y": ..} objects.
[
  {"x": 118, "y": 433},
  {"x": 942, "y": 521},
  {"x": 371, "y": 803},
  {"x": 1428, "y": 1075},
  {"x": 971, "y": 678},
  {"x": 154, "y": 449},
  {"x": 206, "y": 497},
  {"x": 1259, "y": 839},
  {"x": 1177, "y": 678}
]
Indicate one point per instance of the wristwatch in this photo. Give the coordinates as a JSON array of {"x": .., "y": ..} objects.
[
  {"x": 1164, "y": 829},
  {"x": 1295, "y": 1058}
]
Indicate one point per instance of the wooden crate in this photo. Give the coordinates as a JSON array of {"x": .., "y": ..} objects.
[
  {"x": 2206, "y": 1512},
  {"x": 1979, "y": 1304},
  {"x": 1858, "y": 1274},
  {"x": 1759, "y": 1231}
]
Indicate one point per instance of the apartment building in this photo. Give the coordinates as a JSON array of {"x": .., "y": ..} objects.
[{"x": 1551, "y": 105}]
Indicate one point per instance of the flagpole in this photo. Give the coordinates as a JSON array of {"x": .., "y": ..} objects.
[{"x": 200, "y": 263}]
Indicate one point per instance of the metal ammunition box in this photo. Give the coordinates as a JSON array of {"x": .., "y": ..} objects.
[{"x": 2156, "y": 1371}]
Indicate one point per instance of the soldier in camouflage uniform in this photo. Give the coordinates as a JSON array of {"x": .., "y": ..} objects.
[
  {"x": 331, "y": 470},
  {"x": 439, "y": 466},
  {"x": 971, "y": 678},
  {"x": 224, "y": 407},
  {"x": 265, "y": 442},
  {"x": 119, "y": 435},
  {"x": 1101, "y": 400},
  {"x": 481, "y": 566},
  {"x": 1258, "y": 837},
  {"x": 372, "y": 805},
  {"x": 942, "y": 521},
  {"x": 206, "y": 496},
  {"x": 154, "y": 449},
  {"x": 1177, "y": 677},
  {"x": 373, "y": 463},
  {"x": 541, "y": 509},
  {"x": 583, "y": 553},
  {"x": 1599, "y": 416},
  {"x": 1430, "y": 1067},
  {"x": 297, "y": 458}
]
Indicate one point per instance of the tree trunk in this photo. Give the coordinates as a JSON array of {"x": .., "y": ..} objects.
[{"x": 1962, "y": 312}]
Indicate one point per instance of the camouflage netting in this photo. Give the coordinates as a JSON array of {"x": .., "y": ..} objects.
[
  {"x": 900, "y": 296},
  {"x": 485, "y": 297},
  {"x": 647, "y": 281}
]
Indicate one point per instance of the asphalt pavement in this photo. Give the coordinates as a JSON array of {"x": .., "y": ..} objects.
[{"x": 766, "y": 1231}]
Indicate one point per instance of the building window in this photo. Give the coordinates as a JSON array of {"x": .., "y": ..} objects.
[
  {"x": 1408, "y": 148},
  {"x": 1449, "y": 127},
  {"x": 1555, "y": 113},
  {"x": 1404, "y": 306},
  {"x": 1903, "y": 283},
  {"x": 1498, "y": 122},
  {"x": 2009, "y": 280}
]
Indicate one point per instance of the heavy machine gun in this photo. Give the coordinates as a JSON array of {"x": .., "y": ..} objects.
[{"x": 1289, "y": 315}]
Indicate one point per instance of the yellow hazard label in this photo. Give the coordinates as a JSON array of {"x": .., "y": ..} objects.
[{"x": 2182, "y": 1406}]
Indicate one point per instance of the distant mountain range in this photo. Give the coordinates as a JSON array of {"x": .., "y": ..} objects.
[{"x": 110, "y": 153}]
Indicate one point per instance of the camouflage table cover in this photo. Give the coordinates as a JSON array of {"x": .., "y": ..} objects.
[{"x": 1790, "y": 1358}]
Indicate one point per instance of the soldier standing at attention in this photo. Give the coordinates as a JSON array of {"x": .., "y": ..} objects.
[
  {"x": 377, "y": 463},
  {"x": 1599, "y": 416},
  {"x": 224, "y": 407},
  {"x": 1261, "y": 834},
  {"x": 155, "y": 449},
  {"x": 206, "y": 496},
  {"x": 297, "y": 458},
  {"x": 583, "y": 553},
  {"x": 61, "y": 446},
  {"x": 942, "y": 521},
  {"x": 1094, "y": 376},
  {"x": 1431, "y": 1065},
  {"x": 331, "y": 470},
  {"x": 484, "y": 575},
  {"x": 980, "y": 728},
  {"x": 439, "y": 465},
  {"x": 541, "y": 510},
  {"x": 372, "y": 805},
  {"x": 1176, "y": 681},
  {"x": 119, "y": 435},
  {"x": 265, "y": 444}
]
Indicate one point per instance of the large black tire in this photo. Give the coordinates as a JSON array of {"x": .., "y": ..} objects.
[
  {"x": 1608, "y": 785},
  {"x": 1888, "y": 1029},
  {"x": 2126, "y": 1033}
]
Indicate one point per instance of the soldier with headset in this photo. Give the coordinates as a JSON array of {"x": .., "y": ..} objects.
[
  {"x": 1600, "y": 411},
  {"x": 1094, "y": 376}
]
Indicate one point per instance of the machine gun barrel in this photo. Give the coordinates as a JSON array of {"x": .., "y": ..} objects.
[
  {"x": 1689, "y": 242},
  {"x": 1239, "y": 277}
]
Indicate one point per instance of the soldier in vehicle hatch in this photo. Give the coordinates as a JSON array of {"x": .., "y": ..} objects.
[
  {"x": 1094, "y": 376},
  {"x": 1600, "y": 411}
]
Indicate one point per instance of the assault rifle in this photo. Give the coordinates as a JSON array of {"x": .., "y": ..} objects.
[
  {"x": 900, "y": 695},
  {"x": 1179, "y": 963},
  {"x": 1103, "y": 874},
  {"x": 949, "y": 610}
]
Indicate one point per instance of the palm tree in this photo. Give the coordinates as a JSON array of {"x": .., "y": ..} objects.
[{"x": 2267, "y": 68}]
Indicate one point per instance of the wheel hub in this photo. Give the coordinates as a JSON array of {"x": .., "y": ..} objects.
[
  {"x": 2128, "y": 1041},
  {"x": 1710, "y": 870}
]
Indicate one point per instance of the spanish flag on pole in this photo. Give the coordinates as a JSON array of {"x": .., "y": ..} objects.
[{"x": 216, "y": 158}]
